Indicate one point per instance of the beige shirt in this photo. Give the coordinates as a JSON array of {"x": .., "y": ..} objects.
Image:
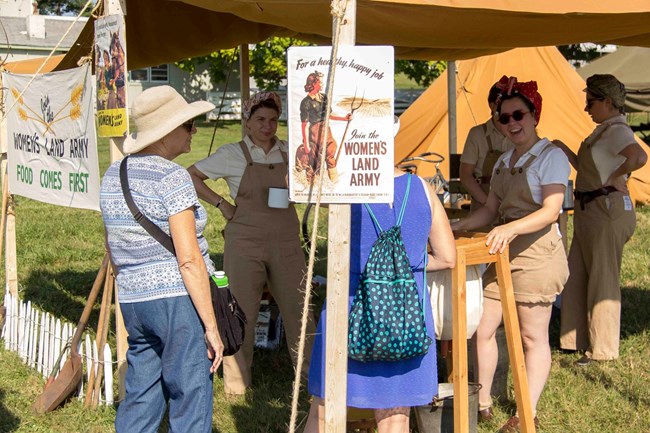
[
  {"x": 605, "y": 151},
  {"x": 228, "y": 162},
  {"x": 476, "y": 145}
]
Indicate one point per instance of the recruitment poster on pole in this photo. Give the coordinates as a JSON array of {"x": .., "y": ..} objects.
[
  {"x": 52, "y": 145},
  {"x": 359, "y": 141},
  {"x": 110, "y": 73}
]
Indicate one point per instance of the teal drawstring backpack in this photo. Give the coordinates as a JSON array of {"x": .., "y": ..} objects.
[{"x": 386, "y": 321}]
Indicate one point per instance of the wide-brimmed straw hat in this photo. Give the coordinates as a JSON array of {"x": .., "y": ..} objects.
[{"x": 158, "y": 111}]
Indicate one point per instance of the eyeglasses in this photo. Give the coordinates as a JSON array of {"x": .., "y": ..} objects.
[
  {"x": 189, "y": 125},
  {"x": 517, "y": 115},
  {"x": 590, "y": 101}
]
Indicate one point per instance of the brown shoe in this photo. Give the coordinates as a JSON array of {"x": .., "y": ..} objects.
[
  {"x": 485, "y": 415},
  {"x": 513, "y": 424}
]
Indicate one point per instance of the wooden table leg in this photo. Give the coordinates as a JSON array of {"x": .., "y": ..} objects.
[
  {"x": 515, "y": 349},
  {"x": 459, "y": 350}
]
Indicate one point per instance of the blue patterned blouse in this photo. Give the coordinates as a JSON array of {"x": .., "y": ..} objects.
[{"x": 160, "y": 188}]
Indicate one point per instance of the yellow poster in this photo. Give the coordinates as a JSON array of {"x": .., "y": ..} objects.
[{"x": 110, "y": 73}]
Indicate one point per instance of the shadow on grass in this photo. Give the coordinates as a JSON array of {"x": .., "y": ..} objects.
[
  {"x": 635, "y": 303},
  {"x": 64, "y": 294},
  {"x": 8, "y": 421},
  {"x": 634, "y": 320},
  {"x": 266, "y": 408}
]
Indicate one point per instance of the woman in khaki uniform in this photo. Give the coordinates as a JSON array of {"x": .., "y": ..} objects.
[
  {"x": 603, "y": 222},
  {"x": 262, "y": 244},
  {"x": 527, "y": 191},
  {"x": 483, "y": 146}
]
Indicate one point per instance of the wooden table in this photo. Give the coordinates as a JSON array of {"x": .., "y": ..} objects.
[{"x": 471, "y": 250}]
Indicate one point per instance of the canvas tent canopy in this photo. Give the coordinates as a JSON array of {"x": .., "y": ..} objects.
[
  {"x": 30, "y": 66},
  {"x": 164, "y": 31},
  {"x": 631, "y": 65},
  {"x": 424, "y": 125}
]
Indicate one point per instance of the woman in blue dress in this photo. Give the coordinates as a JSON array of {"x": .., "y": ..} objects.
[{"x": 390, "y": 388}]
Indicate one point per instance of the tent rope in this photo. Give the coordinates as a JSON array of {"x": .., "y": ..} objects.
[
  {"x": 40, "y": 68},
  {"x": 465, "y": 92},
  {"x": 223, "y": 97},
  {"x": 338, "y": 9},
  {"x": 4, "y": 30}
]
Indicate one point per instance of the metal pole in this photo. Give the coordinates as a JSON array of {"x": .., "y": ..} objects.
[
  {"x": 451, "y": 96},
  {"x": 244, "y": 80}
]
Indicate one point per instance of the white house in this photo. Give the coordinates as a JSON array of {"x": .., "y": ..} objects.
[{"x": 29, "y": 35}]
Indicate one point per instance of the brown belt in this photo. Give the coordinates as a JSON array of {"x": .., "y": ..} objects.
[{"x": 587, "y": 196}]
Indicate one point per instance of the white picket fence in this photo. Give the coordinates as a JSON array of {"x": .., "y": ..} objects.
[{"x": 38, "y": 338}]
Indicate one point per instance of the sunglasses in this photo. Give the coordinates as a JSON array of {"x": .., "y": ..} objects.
[
  {"x": 189, "y": 125},
  {"x": 590, "y": 101},
  {"x": 517, "y": 115}
]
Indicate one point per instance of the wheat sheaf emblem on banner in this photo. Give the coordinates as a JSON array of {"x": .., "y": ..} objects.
[{"x": 47, "y": 116}]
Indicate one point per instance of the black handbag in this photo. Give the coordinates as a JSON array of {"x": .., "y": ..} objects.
[{"x": 231, "y": 319}]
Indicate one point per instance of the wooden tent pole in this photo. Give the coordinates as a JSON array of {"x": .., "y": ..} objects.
[
  {"x": 451, "y": 113},
  {"x": 9, "y": 234},
  {"x": 118, "y": 7},
  {"x": 338, "y": 281},
  {"x": 244, "y": 81}
]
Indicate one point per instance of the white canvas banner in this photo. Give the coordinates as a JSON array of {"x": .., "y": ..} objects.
[
  {"x": 52, "y": 145},
  {"x": 359, "y": 150}
]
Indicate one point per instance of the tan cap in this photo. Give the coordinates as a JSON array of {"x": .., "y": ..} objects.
[{"x": 606, "y": 85}]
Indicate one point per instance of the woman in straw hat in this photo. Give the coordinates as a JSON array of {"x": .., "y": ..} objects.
[
  {"x": 262, "y": 243},
  {"x": 526, "y": 193},
  {"x": 164, "y": 298},
  {"x": 603, "y": 222}
]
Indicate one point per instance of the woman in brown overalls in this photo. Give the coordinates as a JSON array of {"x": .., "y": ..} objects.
[
  {"x": 527, "y": 192},
  {"x": 603, "y": 222},
  {"x": 483, "y": 146},
  {"x": 262, "y": 244}
]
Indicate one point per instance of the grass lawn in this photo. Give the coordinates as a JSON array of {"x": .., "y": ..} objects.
[{"x": 59, "y": 253}]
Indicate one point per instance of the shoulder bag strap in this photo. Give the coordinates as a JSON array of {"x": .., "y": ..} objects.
[
  {"x": 151, "y": 228},
  {"x": 406, "y": 199}
]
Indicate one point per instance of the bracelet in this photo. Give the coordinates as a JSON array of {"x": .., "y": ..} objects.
[{"x": 219, "y": 202}]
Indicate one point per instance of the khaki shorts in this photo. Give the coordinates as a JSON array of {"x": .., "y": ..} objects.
[{"x": 538, "y": 265}]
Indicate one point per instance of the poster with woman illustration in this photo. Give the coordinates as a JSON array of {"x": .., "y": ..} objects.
[
  {"x": 110, "y": 74},
  {"x": 358, "y": 144}
]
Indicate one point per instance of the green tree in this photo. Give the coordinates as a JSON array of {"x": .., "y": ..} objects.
[
  {"x": 219, "y": 64},
  {"x": 422, "y": 72},
  {"x": 268, "y": 62},
  {"x": 61, "y": 7},
  {"x": 578, "y": 54}
]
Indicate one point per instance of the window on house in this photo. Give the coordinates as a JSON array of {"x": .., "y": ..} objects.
[
  {"x": 154, "y": 74},
  {"x": 160, "y": 73},
  {"x": 139, "y": 75}
]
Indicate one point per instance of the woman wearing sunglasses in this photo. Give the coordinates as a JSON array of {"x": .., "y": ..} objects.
[
  {"x": 162, "y": 295},
  {"x": 603, "y": 222},
  {"x": 262, "y": 243},
  {"x": 526, "y": 193}
]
